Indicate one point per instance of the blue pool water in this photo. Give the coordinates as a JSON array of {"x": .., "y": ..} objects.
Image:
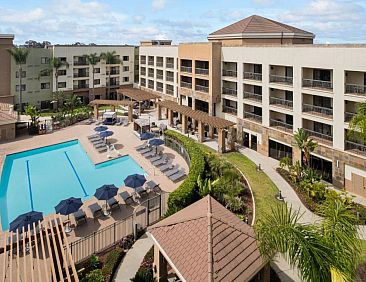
[{"x": 38, "y": 179}]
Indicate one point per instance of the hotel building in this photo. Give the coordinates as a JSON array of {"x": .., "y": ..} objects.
[{"x": 270, "y": 79}]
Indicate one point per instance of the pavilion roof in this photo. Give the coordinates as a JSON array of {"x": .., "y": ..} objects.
[
  {"x": 137, "y": 94},
  {"x": 111, "y": 102}
]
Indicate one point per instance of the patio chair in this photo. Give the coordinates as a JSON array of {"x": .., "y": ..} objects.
[
  {"x": 174, "y": 170},
  {"x": 113, "y": 203},
  {"x": 145, "y": 151},
  {"x": 142, "y": 192},
  {"x": 176, "y": 176},
  {"x": 152, "y": 186},
  {"x": 93, "y": 136},
  {"x": 96, "y": 140},
  {"x": 100, "y": 145},
  {"x": 127, "y": 198},
  {"x": 80, "y": 217},
  {"x": 164, "y": 160},
  {"x": 96, "y": 210},
  {"x": 166, "y": 167},
  {"x": 142, "y": 146},
  {"x": 150, "y": 154},
  {"x": 159, "y": 156},
  {"x": 102, "y": 149}
]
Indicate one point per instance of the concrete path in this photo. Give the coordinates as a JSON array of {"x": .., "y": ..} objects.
[{"x": 133, "y": 259}]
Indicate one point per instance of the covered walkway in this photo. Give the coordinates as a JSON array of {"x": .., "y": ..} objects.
[{"x": 96, "y": 103}]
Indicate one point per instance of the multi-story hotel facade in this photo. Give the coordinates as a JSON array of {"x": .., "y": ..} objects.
[{"x": 270, "y": 79}]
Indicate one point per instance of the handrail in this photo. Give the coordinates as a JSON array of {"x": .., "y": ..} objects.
[
  {"x": 252, "y": 95},
  {"x": 229, "y": 110},
  {"x": 186, "y": 84},
  {"x": 253, "y": 116},
  {"x": 186, "y": 69},
  {"x": 252, "y": 75},
  {"x": 280, "y": 79},
  {"x": 202, "y": 71},
  {"x": 355, "y": 89},
  {"x": 317, "y": 109},
  {"x": 229, "y": 91},
  {"x": 280, "y": 101},
  {"x": 202, "y": 88},
  {"x": 231, "y": 73},
  {"x": 319, "y": 135},
  {"x": 282, "y": 125},
  {"x": 313, "y": 83}
]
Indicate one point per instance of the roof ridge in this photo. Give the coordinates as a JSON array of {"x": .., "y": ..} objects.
[
  {"x": 157, "y": 225},
  {"x": 210, "y": 260},
  {"x": 248, "y": 23}
]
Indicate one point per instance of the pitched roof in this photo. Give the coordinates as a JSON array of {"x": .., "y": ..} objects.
[
  {"x": 206, "y": 242},
  {"x": 258, "y": 24}
]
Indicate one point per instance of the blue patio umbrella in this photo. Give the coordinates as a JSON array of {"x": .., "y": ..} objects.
[
  {"x": 105, "y": 134},
  {"x": 68, "y": 206},
  {"x": 101, "y": 128},
  {"x": 106, "y": 192},
  {"x": 156, "y": 142},
  {"x": 146, "y": 136},
  {"x": 135, "y": 180},
  {"x": 26, "y": 219}
]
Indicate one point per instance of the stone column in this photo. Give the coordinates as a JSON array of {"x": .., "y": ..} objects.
[
  {"x": 201, "y": 132},
  {"x": 130, "y": 113},
  {"x": 221, "y": 141},
  {"x": 159, "y": 111},
  {"x": 232, "y": 138},
  {"x": 170, "y": 117},
  {"x": 184, "y": 124},
  {"x": 96, "y": 111}
]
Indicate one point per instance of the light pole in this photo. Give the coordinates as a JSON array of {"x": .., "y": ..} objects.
[{"x": 149, "y": 122}]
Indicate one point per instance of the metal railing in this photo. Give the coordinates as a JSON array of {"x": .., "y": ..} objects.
[
  {"x": 113, "y": 83},
  {"x": 151, "y": 86},
  {"x": 281, "y": 79},
  {"x": 252, "y": 75},
  {"x": 84, "y": 74},
  {"x": 81, "y": 63},
  {"x": 178, "y": 147},
  {"x": 186, "y": 69},
  {"x": 253, "y": 116},
  {"x": 151, "y": 74},
  {"x": 229, "y": 91},
  {"x": 280, "y": 101},
  {"x": 355, "y": 146},
  {"x": 160, "y": 76},
  {"x": 151, "y": 63},
  {"x": 229, "y": 110},
  {"x": 202, "y": 71},
  {"x": 143, "y": 73},
  {"x": 312, "y": 83},
  {"x": 186, "y": 84},
  {"x": 169, "y": 91},
  {"x": 348, "y": 116},
  {"x": 143, "y": 62},
  {"x": 159, "y": 64},
  {"x": 202, "y": 88},
  {"x": 114, "y": 72},
  {"x": 252, "y": 96},
  {"x": 169, "y": 78},
  {"x": 319, "y": 135},
  {"x": 316, "y": 109},
  {"x": 169, "y": 65},
  {"x": 81, "y": 86},
  {"x": 160, "y": 89},
  {"x": 230, "y": 73},
  {"x": 355, "y": 89},
  {"x": 281, "y": 125},
  {"x": 143, "y": 84}
]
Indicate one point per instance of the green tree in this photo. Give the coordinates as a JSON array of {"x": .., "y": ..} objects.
[
  {"x": 357, "y": 125},
  {"x": 20, "y": 56},
  {"x": 305, "y": 144},
  {"x": 93, "y": 59},
  {"x": 110, "y": 58},
  {"x": 71, "y": 103},
  {"x": 318, "y": 250},
  {"x": 33, "y": 112}
]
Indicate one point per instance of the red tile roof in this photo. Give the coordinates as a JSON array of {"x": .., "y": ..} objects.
[
  {"x": 258, "y": 24},
  {"x": 206, "y": 242}
]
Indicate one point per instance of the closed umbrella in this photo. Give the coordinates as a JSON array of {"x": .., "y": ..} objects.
[
  {"x": 135, "y": 180},
  {"x": 106, "y": 192},
  {"x": 68, "y": 206},
  {"x": 25, "y": 220},
  {"x": 146, "y": 136},
  {"x": 101, "y": 128}
]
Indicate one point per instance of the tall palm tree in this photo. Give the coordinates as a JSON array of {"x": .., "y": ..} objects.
[
  {"x": 304, "y": 143},
  {"x": 93, "y": 59},
  {"x": 110, "y": 58},
  {"x": 20, "y": 56},
  {"x": 320, "y": 250},
  {"x": 357, "y": 125}
]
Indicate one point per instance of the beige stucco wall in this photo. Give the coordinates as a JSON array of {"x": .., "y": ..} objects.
[{"x": 6, "y": 42}]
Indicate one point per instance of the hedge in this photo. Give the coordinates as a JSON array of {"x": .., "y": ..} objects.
[
  {"x": 111, "y": 263},
  {"x": 186, "y": 193}
]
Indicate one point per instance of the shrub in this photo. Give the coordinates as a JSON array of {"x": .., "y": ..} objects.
[
  {"x": 94, "y": 262},
  {"x": 112, "y": 261},
  {"x": 94, "y": 276},
  {"x": 143, "y": 275}
]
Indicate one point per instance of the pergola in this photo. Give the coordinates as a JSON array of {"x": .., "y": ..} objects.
[
  {"x": 40, "y": 254},
  {"x": 137, "y": 95},
  {"x": 201, "y": 117},
  {"x": 96, "y": 103}
]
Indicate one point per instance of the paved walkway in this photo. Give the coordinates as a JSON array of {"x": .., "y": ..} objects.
[{"x": 133, "y": 259}]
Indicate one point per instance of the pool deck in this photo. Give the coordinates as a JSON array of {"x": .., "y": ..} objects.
[{"x": 123, "y": 139}]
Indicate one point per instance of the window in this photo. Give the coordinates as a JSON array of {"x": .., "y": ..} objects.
[
  {"x": 45, "y": 60},
  {"x": 17, "y": 87},
  {"x": 61, "y": 72},
  {"x": 45, "y": 105},
  {"x": 24, "y": 74},
  {"x": 62, "y": 59},
  {"x": 45, "y": 73},
  {"x": 97, "y": 70},
  {"x": 61, "y": 85},
  {"x": 126, "y": 68},
  {"x": 324, "y": 75},
  {"x": 96, "y": 81},
  {"x": 125, "y": 58},
  {"x": 45, "y": 85},
  {"x": 126, "y": 79}
]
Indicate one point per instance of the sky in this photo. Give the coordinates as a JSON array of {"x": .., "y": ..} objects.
[{"x": 129, "y": 21}]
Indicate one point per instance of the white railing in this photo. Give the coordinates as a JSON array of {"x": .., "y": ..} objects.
[
  {"x": 170, "y": 78},
  {"x": 159, "y": 64},
  {"x": 159, "y": 76},
  {"x": 169, "y": 65}
]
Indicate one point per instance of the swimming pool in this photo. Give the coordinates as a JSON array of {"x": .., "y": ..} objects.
[{"x": 38, "y": 179}]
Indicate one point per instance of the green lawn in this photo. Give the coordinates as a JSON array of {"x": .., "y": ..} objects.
[{"x": 363, "y": 254}]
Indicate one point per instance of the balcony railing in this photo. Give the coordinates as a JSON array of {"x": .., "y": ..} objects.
[
  {"x": 151, "y": 63},
  {"x": 355, "y": 146},
  {"x": 229, "y": 91},
  {"x": 202, "y": 88},
  {"x": 169, "y": 91},
  {"x": 281, "y": 102},
  {"x": 319, "y": 135},
  {"x": 159, "y": 64},
  {"x": 143, "y": 73},
  {"x": 229, "y": 110},
  {"x": 114, "y": 72},
  {"x": 113, "y": 83},
  {"x": 160, "y": 89},
  {"x": 202, "y": 71},
  {"x": 143, "y": 84},
  {"x": 160, "y": 76},
  {"x": 143, "y": 62},
  {"x": 252, "y": 76},
  {"x": 316, "y": 109},
  {"x": 84, "y": 74},
  {"x": 151, "y": 86},
  {"x": 281, "y": 79},
  {"x": 186, "y": 84},
  {"x": 186, "y": 69},
  {"x": 81, "y": 86},
  {"x": 151, "y": 74},
  {"x": 312, "y": 83},
  {"x": 281, "y": 125},
  {"x": 356, "y": 89},
  {"x": 253, "y": 116},
  {"x": 252, "y": 96},
  {"x": 81, "y": 63},
  {"x": 169, "y": 78},
  {"x": 348, "y": 116},
  {"x": 230, "y": 73},
  {"x": 169, "y": 65}
]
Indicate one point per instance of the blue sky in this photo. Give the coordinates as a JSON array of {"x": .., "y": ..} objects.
[{"x": 129, "y": 21}]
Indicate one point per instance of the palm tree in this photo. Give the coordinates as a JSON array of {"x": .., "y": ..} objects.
[
  {"x": 20, "y": 56},
  {"x": 71, "y": 104},
  {"x": 321, "y": 250},
  {"x": 357, "y": 125},
  {"x": 304, "y": 143},
  {"x": 93, "y": 59},
  {"x": 110, "y": 58}
]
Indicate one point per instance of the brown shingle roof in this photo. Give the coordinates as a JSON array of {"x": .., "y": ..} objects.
[
  {"x": 258, "y": 24},
  {"x": 206, "y": 242},
  {"x": 137, "y": 94}
]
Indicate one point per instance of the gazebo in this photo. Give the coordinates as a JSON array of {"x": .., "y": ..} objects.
[{"x": 96, "y": 103}]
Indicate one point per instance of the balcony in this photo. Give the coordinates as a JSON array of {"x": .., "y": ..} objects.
[
  {"x": 170, "y": 78},
  {"x": 169, "y": 65},
  {"x": 143, "y": 83},
  {"x": 81, "y": 74},
  {"x": 159, "y": 76},
  {"x": 348, "y": 116},
  {"x": 143, "y": 73},
  {"x": 150, "y": 85},
  {"x": 229, "y": 91},
  {"x": 113, "y": 83},
  {"x": 143, "y": 62},
  {"x": 81, "y": 86},
  {"x": 252, "y": 96},
  {"x": 355, "y": 89},
  {"x": 281, "y": 102},
  {"x": 201, "y": 71},
  {"x": 151, "y": 63},
  {"x": 252, "y": 76},
  {"x": 159, "y": 64},
  {"x": 321, "y": 137},
  {"x": 186, "y": 84},
  {"x": 169, "y": 91},
  {"x": 312, "y": 83},
  {"x": 159, "y": 89},
  {"x": 322, "y": 111},
  {"x": 356, "y": 147},
  {"x": 280, "y": 125},
  {"x": 253, "y": 117},
  {"x": 202, "y": 88},
  {"x": 229, "y": 110},
  {"x": 186, "y": 69},
  {"x": 151, "y": 74},
  {"x": 229, "y": 73},
  {"x": 114, "y": 72},
  {"x": 81, "y": 63},
  {"x": 281, "y": 79}
]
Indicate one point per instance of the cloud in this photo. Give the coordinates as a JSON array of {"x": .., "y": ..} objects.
[
  {"x": 158, "y": 4},
  {"x": 10, "y": 16}
]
